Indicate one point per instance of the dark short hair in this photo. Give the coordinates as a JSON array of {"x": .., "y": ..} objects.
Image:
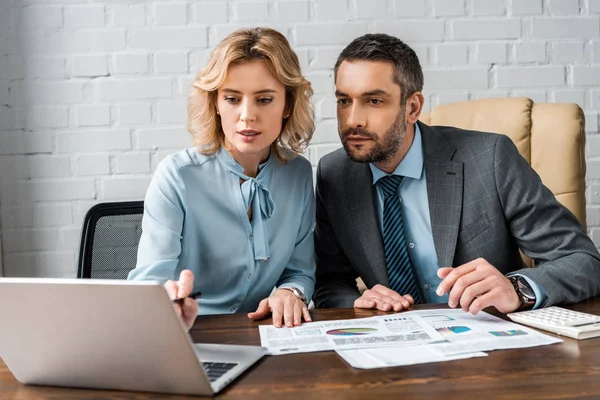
[{"x": 381, "y": 47}]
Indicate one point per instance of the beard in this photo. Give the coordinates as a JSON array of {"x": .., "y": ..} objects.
[{"x": 385, "y": 146}]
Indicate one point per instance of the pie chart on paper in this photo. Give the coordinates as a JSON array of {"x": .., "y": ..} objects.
[{"x": 351, "y": 331}]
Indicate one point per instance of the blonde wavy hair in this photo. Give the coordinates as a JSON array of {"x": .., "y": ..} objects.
[{"x": 244, "y": 45}]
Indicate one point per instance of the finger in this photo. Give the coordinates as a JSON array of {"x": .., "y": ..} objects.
[
  {"x": 394, "y": 302},
  {"x": 189, "y": 308},
  {"x": 364, "y": 302},
  {"x": 288, "y": 311},
  {"x": 298, "y": 306},
  {"x": 261, "y": 311},
  {"x": 409, "y": 298},
  {"x": 185, "y": 283},
  {"x": 277, "y": 311},
  {"x": 387, "y": 292},
  {"x": 383, "y": 306},
  {"x": 171, "y": 288},
  {"x": 481, "y": 302},
  {"x": 474, "y": 291},
  {"x": 306, "y": 314},
  {"x": 442, "y": 272},
  {"x": 462, "y": 284},
  {"x": 451, "y": 278}
]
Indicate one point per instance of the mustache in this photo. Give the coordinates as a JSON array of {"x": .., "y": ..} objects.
[{"x": 358, "y": 132}]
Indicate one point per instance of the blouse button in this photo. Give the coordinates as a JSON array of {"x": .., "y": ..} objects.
[{"x": 251, "y": 237}]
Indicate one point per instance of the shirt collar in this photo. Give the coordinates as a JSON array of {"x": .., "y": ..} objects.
[{"x": 411, "y": 165}]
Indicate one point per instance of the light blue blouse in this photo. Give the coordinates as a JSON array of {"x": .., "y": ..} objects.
[{"x": 196, "y": 218}]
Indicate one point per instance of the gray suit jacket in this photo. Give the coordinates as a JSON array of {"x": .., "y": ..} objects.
[{"x": 484, "y": 201}]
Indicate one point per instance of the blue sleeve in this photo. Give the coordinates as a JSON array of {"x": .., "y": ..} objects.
[
  {"x": 162, "y": 225},
  {"x": 300, "y": 270}
]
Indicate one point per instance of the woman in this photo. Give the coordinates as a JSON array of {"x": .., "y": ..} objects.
[{"x": 237, "y": 210}]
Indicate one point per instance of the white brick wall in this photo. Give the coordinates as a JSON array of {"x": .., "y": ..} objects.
[{"x": 92, "y": 92}]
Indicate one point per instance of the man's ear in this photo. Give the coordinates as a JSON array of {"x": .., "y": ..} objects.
[{"x": 414, "y": 106}]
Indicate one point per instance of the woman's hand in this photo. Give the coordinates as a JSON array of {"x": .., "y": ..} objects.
[
  {"x": 285, "y": 307},
  {"x": 187, "y": 309}
]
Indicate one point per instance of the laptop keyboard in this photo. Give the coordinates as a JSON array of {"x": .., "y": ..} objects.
[{"x": 214, "y": 370}]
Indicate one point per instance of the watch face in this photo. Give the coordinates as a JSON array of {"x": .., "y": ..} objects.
[{"x": 524, "y": 289}]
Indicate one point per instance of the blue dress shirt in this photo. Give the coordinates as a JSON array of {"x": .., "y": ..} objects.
[
  {"x": 196, "y": 218},
  {"x": 417, "y": 221}
]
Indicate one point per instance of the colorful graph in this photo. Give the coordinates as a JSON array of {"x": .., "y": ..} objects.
[
  {"x": 351, "y": 331},
  {"x": 453, "y": 329},
  {"x": 514, "y": 332}
]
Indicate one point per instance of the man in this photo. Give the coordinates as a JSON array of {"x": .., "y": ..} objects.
[{"x": 434, "y": 214}]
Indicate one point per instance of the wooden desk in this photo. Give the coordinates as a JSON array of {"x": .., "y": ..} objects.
[{"x": 566, "y": 370}]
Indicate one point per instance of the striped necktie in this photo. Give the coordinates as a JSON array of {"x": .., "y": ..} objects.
[{"x": 400, "y": 271}]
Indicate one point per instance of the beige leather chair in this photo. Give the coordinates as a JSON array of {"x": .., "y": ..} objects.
[{"x": 551, "y": 137}]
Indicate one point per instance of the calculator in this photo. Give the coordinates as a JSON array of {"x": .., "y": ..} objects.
[{"x": 573, "y": 324}]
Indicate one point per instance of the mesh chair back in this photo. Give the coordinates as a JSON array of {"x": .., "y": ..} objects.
[{"x": 109, "y": 241}]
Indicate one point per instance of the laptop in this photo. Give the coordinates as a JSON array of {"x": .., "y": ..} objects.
[{"x": 109, "y": 334}]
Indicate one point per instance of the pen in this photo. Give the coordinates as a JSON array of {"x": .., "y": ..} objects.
[{"x": 192, "y": 296}]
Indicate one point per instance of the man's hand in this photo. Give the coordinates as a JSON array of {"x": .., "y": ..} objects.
[
  {"x": 477, "y": 285},
  {"x": 284, "y": 305},
  {"x": 188, "y": 310},
  {"x": 384, "y": 299}
]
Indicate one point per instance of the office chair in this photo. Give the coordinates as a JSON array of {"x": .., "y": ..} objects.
[{"x": 109, "y": 240}]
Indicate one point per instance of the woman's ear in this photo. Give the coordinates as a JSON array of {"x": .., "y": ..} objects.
[{"x": 414, "y": 106}]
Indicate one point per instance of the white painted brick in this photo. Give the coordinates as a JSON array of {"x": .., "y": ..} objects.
[
  {"x": 46, "y": 117},
  {"x": 594, "y": 190},
  {"x": 530, "y": 52},
  {"x": 38, "y": 166},
  {"x": 318, "y": 152},
  {"x": 451, "y": 54},
  {"x": 165, "y": 63},
  {"x": 448, "y": 8},
  {"x": 596, "y": 51},
  {"x": 322, "y": 82},
  {"x": 12, "y": 66},
  {"x": 92, "y": 164},
  {"x": 583, "y": 76},
  {"x": 168, "y": 38},
  {"x": 568, "y": 52},
  {"x": 4, "y": 93},
  {"x": 88, "y": 16},
  {"x": 491, "y": 53},
  {"x": 422, "y": 52},
  {"x": 463, "y": 79},
  {"x": 69, "y": 238},
  {"x": 593, "y": 169},
  {"x": 123, "y": 188},
  {"x": 16, "y": 217},
  {"x": 47, "y": 190},
  {"x": 593, "y": 142},
  {"x": 211, "y": 12},
  {"x": 96, "y": 40},
  {"x": 49, "y": 93},
  {"x": 591, "y": 125},
  {"x": 488, "y": 7},
  {"x": 524, "y": 77},
  {"x": 90, "y": 65},
  {"x": 538, "y": 96},
  {"x": 526, "y": 7},
  {"x": 404, "y": 8},
  {"x": 93, "y": 115},
  {"x": 593, "y": 216},
  {"x": 221, "y": 31},
  {"x": 565, "y": 28},
  {"x": 482, "y": 29},
  {"x": 45, "y": 215},
  {"x": 326, "y": 107},
  {"x": 127, "y": 15},
  {"x": 569, "y": 96},
  {"x": 326, "y": 133},
  {"x": 292, "y": 11},
  {"x": 413, "y": 31},
  {"x": 130, "y": 63},
  {"x": 93, "y": 141},
  {"x": 170, "y": 14},
  {"x": 133, "y": 163},
  {"x": 251, "y": 11},
  {"x": 41, "y": 265},
  {"x": 45, "y": 67},
  {"x": 162, "y": 138},
  {"x": 5, "y": 17},
  {"x": 329, "y": 33},
  {"x": 12, "y": 118},
  {"x": 594, "y": 6},
  {"x": 453, "y": 97},
  {"x": 595, "y": 98},
  {"x": 303, "y": 58},
  {"x": 28, "y": 240},
  {"x": 563, "y": 7},
  {"x": 325, "y": 57},
  {"x": 134, "y": 114},
  {"x": 198, "y": 59},
  {"x": 129, "y": 89},
  {"x": 333, "y": 10},
  {"x": 40, "y": 17},
  {"x": 18, "y": 142},
  {"x": 172, "y": 111}
]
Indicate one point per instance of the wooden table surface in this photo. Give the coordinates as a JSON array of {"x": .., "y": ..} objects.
[{"x": 567, "y": 370}]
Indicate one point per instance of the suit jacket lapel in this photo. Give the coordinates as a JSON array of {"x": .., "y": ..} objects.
[
  {"x": 363, "y": 224},
  {"x": 444, "y": 192}
]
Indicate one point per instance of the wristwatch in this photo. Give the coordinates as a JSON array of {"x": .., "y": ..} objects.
[
  {"x": 524, "y": 291},
  {"x": 297, "y": 292}
]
